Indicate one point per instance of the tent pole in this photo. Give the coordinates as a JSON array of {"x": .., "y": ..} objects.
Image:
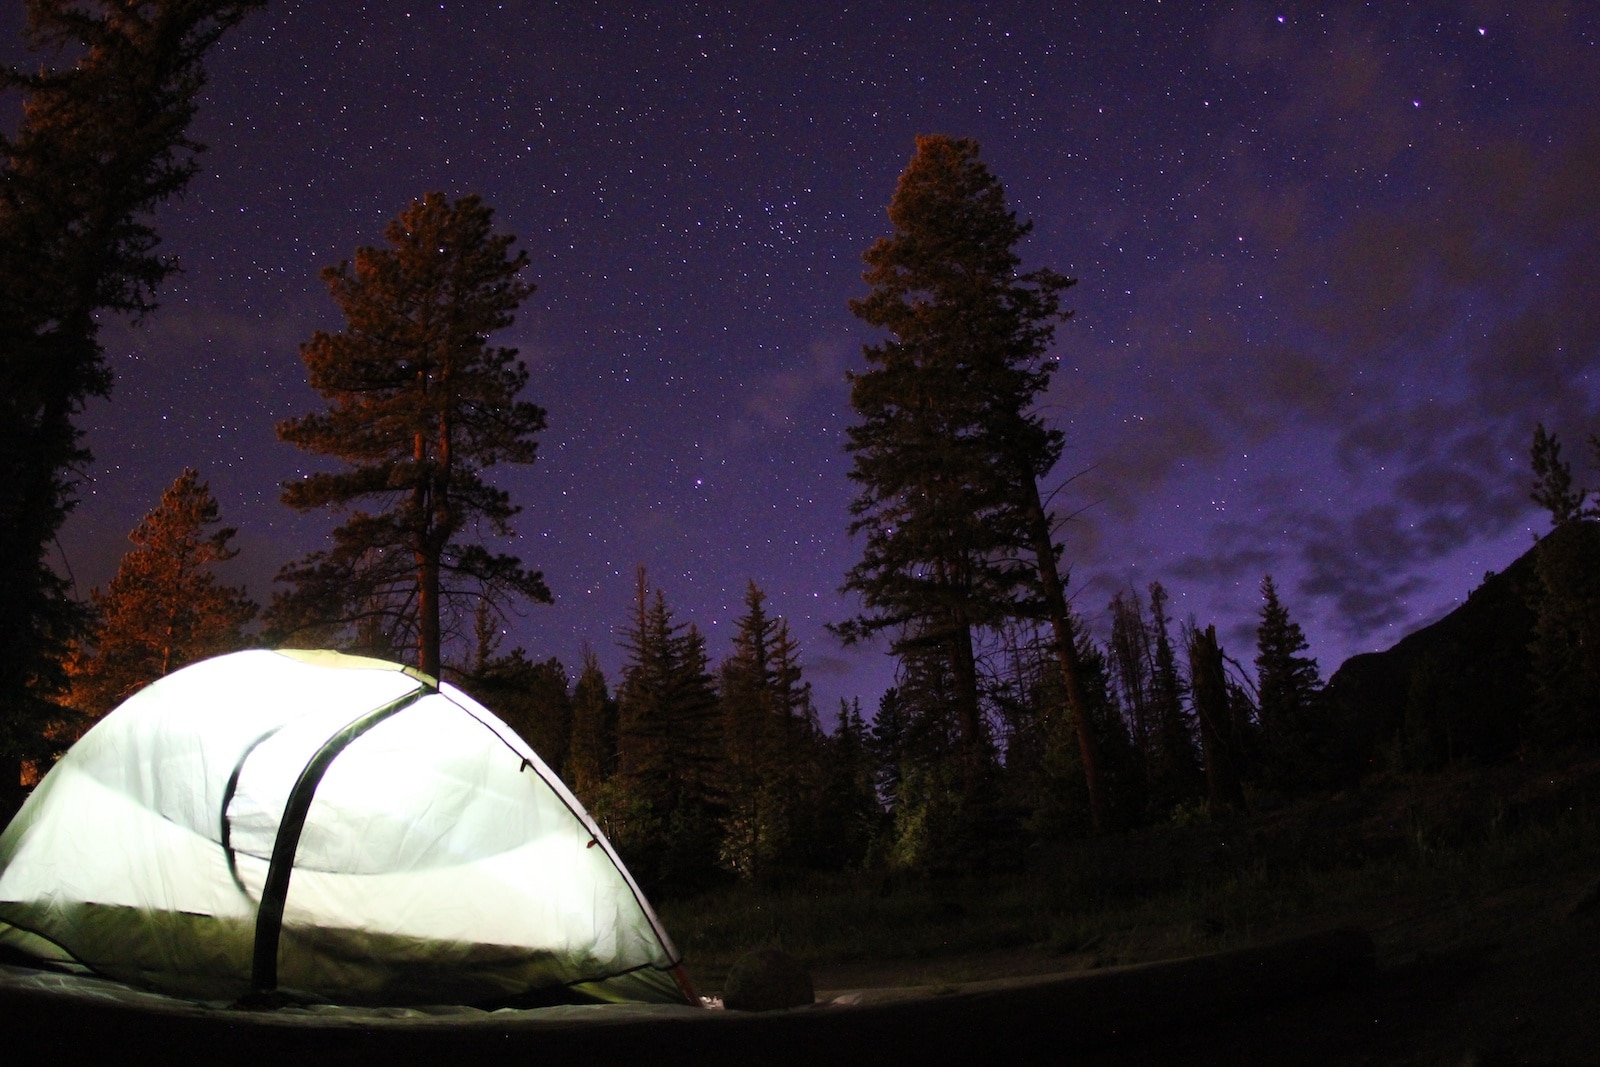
[{"x": 269, "y": 915}]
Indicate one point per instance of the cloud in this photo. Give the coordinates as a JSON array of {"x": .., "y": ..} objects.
[
  {"x": 1240, "y": 556},
  {"x": 778, "y": 399},
  {"x": 1392, "y": 260},
  {"x": 826, "y": 666},
  {"x": 1361, "y": 566}
]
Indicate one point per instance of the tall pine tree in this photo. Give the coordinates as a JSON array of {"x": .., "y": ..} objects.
[
  {"x": 101, "y": 144},
  {"x": 1566, "y": 637},
  {"x": 1132, "y": 659},
  {"x": 1152, "y": 692},
  {"x": 1552, "y": 480},
  {"x": 1064, "y": 806},
  {"x": 420, "y": 405},
  {"x": 848, "y": 816},
  {"x": 1176, "y": 776},
  {"x": 949, "y": 451},
  {"x": 1222, "y": 730},
  {"x": 1287, "y": 686}
]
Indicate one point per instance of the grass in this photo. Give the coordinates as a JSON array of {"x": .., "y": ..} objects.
[
  {"x": 1112, "y": 902},
  {"x": 856, "y": 916}
]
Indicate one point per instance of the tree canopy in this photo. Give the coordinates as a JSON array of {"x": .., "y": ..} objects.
[
  {"x": 1552, "y": 480},
  {"x": 948, "y": 448},
  {"x": 165, "y": 607},
  {"x": 102, "y": 142},
  {"x": 769, "y": 740},
  {"x": 1566, "y": 636},
  {"x": 421, "y": 404},
  {"x": 1288, "y": 682},
  {"x": 665, "y": 802}
]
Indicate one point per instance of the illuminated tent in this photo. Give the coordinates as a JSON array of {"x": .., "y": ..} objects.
[{"x": 310, "y": 823}]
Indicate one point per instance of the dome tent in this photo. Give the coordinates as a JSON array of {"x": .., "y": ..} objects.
[{"x": 325, "y": 825}]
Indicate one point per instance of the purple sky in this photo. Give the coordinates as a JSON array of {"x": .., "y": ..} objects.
[{"x": 1333, "y": 268}]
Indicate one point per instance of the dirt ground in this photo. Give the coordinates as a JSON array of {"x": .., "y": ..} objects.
[
  {"x": 1511, "y": 977},
  {"x": 1514, "y": 983},
  {"x": 1512, "y": 980}
]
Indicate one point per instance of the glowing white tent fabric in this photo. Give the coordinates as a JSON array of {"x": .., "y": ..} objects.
[{"x": 439, "y": 860}]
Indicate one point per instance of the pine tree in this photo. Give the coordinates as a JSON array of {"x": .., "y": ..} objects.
[
  {"x": 1132, "y": 659},
  {"x": 101, "y": 144},
  {"x": 769, "y": 743},
  {"x": 664, "y": 806},
  {"x": 531, "y": 698},
  {"x": 1287, "y": 687},
  {"x": 948, "y": 450},
  {"x": 592, "y": 755},
  {"x": 1565, "y": 650},
  {"x": 1552, "y": 480},
  {"x": 848, "y": 818},
  {"x": 421, "y": 404},
  {"x": 164, "y": 608},
  {"x": 1064, "y": 807},
  {"x": 1152, "y": 691},
  {"x": 934, "y": 770},
  {"x": 886, "y": 745},
  {"x": 754, "y": 741}
]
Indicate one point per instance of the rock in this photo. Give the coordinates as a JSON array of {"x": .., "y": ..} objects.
[{"x": 766, "y": 980}]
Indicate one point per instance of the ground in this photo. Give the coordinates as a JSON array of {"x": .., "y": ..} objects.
[
  {"x": 1496, "y": 968},
  {"x": 1514, "y": 980},
  {"x": 1478, "y": 891}
]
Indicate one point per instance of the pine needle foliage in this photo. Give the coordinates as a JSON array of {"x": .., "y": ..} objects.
[
  {"x": 164, "y": 608},
  {"x": 770, "y": 746},
  {"x": 101, "y": 144},
  {"x": 592, "y": 755},
  {"x": 948, "y": 449},
  {"x": 1552, "y": 480},
  {"x": 421, "y": 405},
  {"x": 1288, "y": 682},
  {"x": 665, "y": 804}
]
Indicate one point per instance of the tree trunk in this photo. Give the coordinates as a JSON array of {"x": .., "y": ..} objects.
[
  {"x": 966, "y": 681},
  {"x": 427, "y": 555},
  {"x": 964, "y": 676},
  {"x": 428, "y": 613},
  {"x": 1066, "y": 643}
]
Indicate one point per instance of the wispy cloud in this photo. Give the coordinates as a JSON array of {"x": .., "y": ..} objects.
[
  {"x": 779, "y": 398},
  {"x": 1397, "y": 262}
]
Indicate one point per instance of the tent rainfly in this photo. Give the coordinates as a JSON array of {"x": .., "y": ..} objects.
[{"x": 322, "y": 825}]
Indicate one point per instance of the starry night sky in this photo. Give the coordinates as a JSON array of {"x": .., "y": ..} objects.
[{"x": 1333, "y": 268}]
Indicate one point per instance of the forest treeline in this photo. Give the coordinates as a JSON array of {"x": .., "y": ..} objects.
[
  {"x": 706, "y": 770},
  {"x": 1009, "y": 723},
  {"x": 703, "y": 770}
]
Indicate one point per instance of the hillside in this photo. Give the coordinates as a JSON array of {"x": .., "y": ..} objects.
[{"x": 1457, "y": 688}]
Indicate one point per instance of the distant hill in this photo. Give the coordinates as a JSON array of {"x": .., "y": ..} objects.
[{"x": 1458, "y": 688}]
